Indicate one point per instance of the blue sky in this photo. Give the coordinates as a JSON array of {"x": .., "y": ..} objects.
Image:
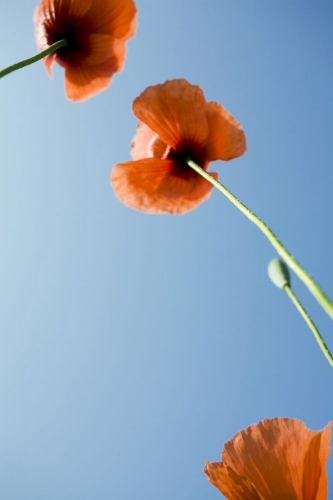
[{"x": 133, "y": 346}]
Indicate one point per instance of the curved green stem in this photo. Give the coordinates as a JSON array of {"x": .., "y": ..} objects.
[
  {"x": 303, "y": 275},
  {"x": 33, "y": 59},
  {"x": 310, "y": 323}
]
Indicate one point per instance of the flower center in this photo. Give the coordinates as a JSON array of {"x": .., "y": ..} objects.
[
  {"x": 186, "y": 150},
  {"x": 76, "y": 31}
]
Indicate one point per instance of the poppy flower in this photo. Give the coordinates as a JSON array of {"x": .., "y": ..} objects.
[
  {"x": 96, "y": 32},
  {"x": 277, "y": 458},
  {"x": 176, "y": 122}
]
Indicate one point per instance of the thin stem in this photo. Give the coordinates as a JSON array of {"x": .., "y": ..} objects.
[
  {"x": 310, "y": 323},
  {"x": 303, "y": 275},
  {"x": 33, "y": 59}
]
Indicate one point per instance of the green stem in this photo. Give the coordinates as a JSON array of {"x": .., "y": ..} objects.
[
  {"x": 303, "y": 275},
  {"x": 33, "y": 59},
  {"x": 310, "y": 323}
]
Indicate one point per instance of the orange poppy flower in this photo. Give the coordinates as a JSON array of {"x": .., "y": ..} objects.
[
  {"x": 176, "y": 122},
  {"x": 277, "y": 458},
  {"x": 96, "y": 31}
]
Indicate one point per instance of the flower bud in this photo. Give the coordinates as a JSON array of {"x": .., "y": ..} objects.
[{"x": 278, "y": 273}]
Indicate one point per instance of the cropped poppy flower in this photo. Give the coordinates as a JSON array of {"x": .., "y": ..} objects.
[
  {"x": 96, "y": 31},
  {"x": 176, "y": 122},
  {"x": 276, "y": 459}
]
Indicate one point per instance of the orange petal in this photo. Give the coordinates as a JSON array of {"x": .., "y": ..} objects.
[
  {"x": 148, "y": 185},
  {"x": 232, "y": 485},
  {"x": 77, "y": 7},
  {"x": 314, "y": 475},
  {"x": 117, "y": 17},
  {"x": 278, "y": 458},
  {"x": 226, "y": 139},
  {"x": 174, "y": 110},
  {"x": 86, "y": 80},
  {"x": 101, "y": 49}
]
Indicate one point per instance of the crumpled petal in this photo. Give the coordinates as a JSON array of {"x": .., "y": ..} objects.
[
  {"x": 175, "y": 110},
  {"x": 233, "y": 486},
  {"x": 117, "y": 17},
  {"x": 149, "y": 185},
  {"x": 76, "y": 8},
  {"x": 226, "y": 139},
  {"x": 81, "y": 83},
  {"x": 277, "y": 458}
]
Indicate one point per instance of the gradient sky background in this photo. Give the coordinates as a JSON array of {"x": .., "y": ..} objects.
[{"x": 133, "y": 346}]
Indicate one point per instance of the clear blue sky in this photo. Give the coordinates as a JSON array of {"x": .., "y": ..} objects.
[{"x": 133, "y": 346}]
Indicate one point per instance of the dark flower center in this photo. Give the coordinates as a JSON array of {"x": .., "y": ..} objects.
[
  {"x": 76, "y": 31},
  {"x": 187, "y": 150}
]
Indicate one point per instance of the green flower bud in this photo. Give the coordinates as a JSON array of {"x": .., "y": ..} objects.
[{"x": 278, "y": 273}]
